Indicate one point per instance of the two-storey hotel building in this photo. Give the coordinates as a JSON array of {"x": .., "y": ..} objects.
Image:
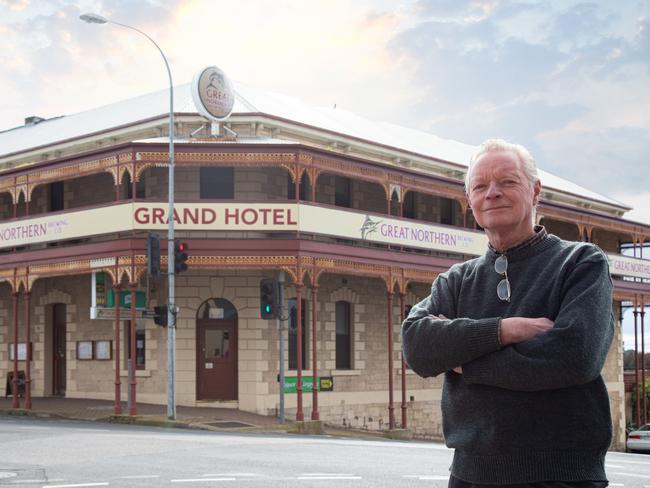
[{"x": 356, "y": 217}]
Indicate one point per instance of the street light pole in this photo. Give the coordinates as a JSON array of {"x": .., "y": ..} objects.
[{"x": 171, "y": 303}]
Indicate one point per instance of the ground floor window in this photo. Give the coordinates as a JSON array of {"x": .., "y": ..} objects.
[
  {"x": 140, "y": 346},
  {"x": 293, "y": 334},
  {"x": 343, "y": 336}
]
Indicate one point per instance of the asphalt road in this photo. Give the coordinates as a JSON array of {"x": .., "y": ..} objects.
[{"x": 65, "y": 454}]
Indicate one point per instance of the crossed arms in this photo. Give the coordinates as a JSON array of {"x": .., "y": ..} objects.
[{"x": 516, "y": 353}]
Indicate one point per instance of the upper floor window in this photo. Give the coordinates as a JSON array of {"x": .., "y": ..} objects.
[
  {"x": 342, "y": 191},
  {"x": 56, "y": 196},
  {"x": 293, "y": 334},
  {"x": 447, "y": 211},
  {"x": 291, "y": 188},
  {"x": 343, "y": 336},
  {"x": 139, "y": 187},
  {"x": 217, "y": 182},
  {"x": 408, "y": 208}
]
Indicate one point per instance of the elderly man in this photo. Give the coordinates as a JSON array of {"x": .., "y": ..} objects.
[{"x": 521, "y": 334}]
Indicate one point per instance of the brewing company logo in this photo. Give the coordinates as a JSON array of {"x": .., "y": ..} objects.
[
  {"x": 369, "y": 226},
  {"x": 212, "y": 93}
]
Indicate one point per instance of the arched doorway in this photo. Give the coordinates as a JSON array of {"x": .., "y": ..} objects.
[{"x": 216, "y": 350}]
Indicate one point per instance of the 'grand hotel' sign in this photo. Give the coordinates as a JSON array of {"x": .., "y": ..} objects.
[{"x": 287, "y": 217}]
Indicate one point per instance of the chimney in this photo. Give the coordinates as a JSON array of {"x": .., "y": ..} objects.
[{"x": 33, "y": 120}]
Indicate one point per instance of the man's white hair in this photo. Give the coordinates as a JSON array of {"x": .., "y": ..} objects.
[{"x": 527, "y": 162}]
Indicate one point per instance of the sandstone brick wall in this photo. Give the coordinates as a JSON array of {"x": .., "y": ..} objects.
[
  {"x": 89, "y": 190},
  {"x": 156, "y": 182},
  {"x": 368, "y": 196},
  {"x": 564, "y": 230},
  {"x": 360, "y": 396},
  {"x": 608, "y": 241}
]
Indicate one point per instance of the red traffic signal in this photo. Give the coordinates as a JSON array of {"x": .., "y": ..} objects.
[{"x": 180, "y": 256}]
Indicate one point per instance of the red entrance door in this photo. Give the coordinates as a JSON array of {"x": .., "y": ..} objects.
[
  {"x": 216, "y": 359},
  {"x": 59, "y": 349}
]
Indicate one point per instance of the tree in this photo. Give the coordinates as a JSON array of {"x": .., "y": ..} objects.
[{"x": 628, "y": 360}]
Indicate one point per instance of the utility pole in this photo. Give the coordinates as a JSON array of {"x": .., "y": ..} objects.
[{"x": 280, "y": 320}]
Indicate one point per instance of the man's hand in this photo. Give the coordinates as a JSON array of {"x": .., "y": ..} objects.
[{"x": 520, "y": 329}]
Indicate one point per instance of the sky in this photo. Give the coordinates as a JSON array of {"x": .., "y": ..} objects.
[{"x": 570, "y": 80}]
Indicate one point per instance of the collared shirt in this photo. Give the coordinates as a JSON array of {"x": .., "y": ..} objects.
[{"x": 540, "y": 235}]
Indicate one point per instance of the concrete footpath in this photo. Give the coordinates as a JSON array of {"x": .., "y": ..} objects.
[{"x": 204, "y": 418}]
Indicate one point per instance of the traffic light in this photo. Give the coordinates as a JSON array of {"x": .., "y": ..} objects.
[
  {"x": 269, "y": 299},
  {"x": 160, "y": 315},
  {"x": 180, "y": 256},
  {"x": 153, "y": 255}
]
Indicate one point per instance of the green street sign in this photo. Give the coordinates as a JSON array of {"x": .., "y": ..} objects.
[
  {"x": 324, "y": 383},
  {"x": 125, "y": 299}
]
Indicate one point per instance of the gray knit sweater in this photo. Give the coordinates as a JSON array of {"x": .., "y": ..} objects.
[{"x": 533, "y": 411}]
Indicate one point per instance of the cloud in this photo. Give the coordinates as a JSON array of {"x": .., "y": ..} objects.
[
  {"x": 15, "y": 5},
  {"x": 578, "y": 24},
  {"x": 570, "y": 84},
  {"x": 53, "y": 63},
  {"x": 464, "y": 64}
]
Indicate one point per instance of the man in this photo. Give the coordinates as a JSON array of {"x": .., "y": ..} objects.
[{"x": 521, "y": 334}]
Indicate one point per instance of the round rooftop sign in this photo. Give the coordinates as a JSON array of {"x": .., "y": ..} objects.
[{"x": 212, "y": 93}]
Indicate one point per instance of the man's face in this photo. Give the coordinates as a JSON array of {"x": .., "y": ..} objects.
[{"x": 502, "y": 197}]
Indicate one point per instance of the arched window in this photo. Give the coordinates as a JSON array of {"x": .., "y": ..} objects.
[{"x": 216, "y": 308}]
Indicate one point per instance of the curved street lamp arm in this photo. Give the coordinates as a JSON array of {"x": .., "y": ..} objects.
[{"x": 169, "y": 73}]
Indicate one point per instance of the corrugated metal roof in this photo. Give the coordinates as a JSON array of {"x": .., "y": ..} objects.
[{"x": 253, "y": 100}]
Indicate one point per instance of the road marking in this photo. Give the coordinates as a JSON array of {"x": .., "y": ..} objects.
[
  {"x": 634, "y": 475},
  {"x": 430, "y": 477},
  {"x": 75, "y": 485},
  {"x": 329, "y": 477},
  {"x": 326, "y": 474},
  {"x": 645, "y": 463},
  {"x": 232, "y": 474},
  {"x": 607, "y": 465},
  {"x": 139, "y": 476},
  {"x": 194, "y": 480}
]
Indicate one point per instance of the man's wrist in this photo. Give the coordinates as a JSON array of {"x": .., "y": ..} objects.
[{"x": 499, "y": 332}]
